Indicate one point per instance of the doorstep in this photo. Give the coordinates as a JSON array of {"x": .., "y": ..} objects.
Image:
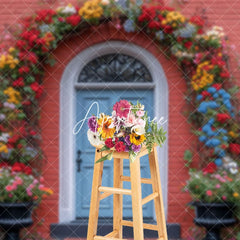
[{"x": 78, "y": 229}]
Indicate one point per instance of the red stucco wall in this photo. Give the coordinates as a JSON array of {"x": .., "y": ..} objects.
[{"x": 223, "y": 13}]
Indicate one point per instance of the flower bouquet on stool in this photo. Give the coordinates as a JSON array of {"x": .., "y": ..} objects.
[{"x": 128, "y": 129}]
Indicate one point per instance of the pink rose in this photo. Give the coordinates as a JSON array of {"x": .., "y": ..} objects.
[
  {"x": 140, "y": 113},
  {"x": 209, "y": 193},
  {"x": 224, "y": 198},
  {"x": 9, "y": 188},
  {"x": 217, "y": 186}
]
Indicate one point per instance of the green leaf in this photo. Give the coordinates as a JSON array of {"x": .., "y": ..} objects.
[
  {"x": 187, "y": 158},
  {"x": 107, "y": 157},
  {"x": 104, "y": 148},
  {"x": 132, "y": 156}
]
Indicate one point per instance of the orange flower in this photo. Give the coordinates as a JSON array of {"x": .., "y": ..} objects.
[
  {"x": 104, "y": 122},
  {"x": 48, "y": 37}
]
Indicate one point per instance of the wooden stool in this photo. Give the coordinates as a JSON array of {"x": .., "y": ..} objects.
[{"x": 100, "y": 192}]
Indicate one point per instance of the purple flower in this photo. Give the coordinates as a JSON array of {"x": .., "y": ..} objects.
[
  {"x": 127, "y": 140},
  {"x": 126, "y": 148},
  {"x": 92, "y": 124},
  {"x": 136, "y": 148}
]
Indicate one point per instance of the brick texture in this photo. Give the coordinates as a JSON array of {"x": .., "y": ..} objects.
[{"x": 223, "y": 13}]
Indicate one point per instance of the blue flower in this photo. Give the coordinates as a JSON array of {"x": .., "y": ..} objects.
[
  {"x": 213, "y": 142},
  {"x": 215, "y": 95},
  {"x": 213, "y": 105},
  {"x": 225, "y": 138},
  {"x": 211, "y": 90},
  {"x": 218, "y": 162},
  {"x": 129, "y": 26},
  {"x": 202, "y": 107},
  {"x": 159, "y": 35},
  {"x": 199, "y": 97},
  {"x": 202, "y": 138}
]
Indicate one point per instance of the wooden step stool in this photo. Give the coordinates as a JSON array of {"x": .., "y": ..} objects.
[{"x": 100, "y": 192}]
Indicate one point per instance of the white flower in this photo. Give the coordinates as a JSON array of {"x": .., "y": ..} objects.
[
  {"x": 4, "y": 137},
  {"x": 69, "y": 9},
  {"x": 233, "y": 168},
  {"x": 138, "y": 129},
  {"x": 141, "y": 122},
  {"x": 105, "y": 2},
  {"x": 93, "y": 138}
]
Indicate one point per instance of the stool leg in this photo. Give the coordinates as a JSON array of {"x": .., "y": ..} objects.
[
  {"x": 158, "y": 202},
  {"x": 95, "y": 198},
  {"x": 136, "y": 199},
  {"x": 117, "y": 198}
]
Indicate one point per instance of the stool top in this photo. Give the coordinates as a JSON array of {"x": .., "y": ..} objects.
[{"x": 124, "y": 155}]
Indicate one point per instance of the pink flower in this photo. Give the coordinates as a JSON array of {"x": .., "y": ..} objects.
[
  {"x": 209, "y": 193},
  {"x": 131, "y": 120},
  {"x": 217, "y": 186},
  {"x": 224, "y": 198},
  {"x": 10, "y": 195},
  {"x": 140, "y": 113},
  {"x": 122, "y": 108},
  {"x": 18, "y": 181},
  {"x": 9, "y": 188}
]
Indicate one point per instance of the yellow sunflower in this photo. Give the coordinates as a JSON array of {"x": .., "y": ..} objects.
[
  {"x": 104, "y": 122},
  {"x": 137, "y": 139}
]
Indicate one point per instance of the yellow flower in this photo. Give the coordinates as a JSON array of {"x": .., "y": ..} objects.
[
  {"x": 235, "y": 194},
  {"x": 137, "y": 139},
  {"x": 11, "y": 49},
  {"x": 91, "y": 9},
  {"x": 104, "y": 122},
  {"x": 233, "y": 134},
  {"x": 14, "y": 96},
  {"x": 3, "y": 148}
]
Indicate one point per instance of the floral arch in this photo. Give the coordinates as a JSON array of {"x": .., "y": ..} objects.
[{"x": 200, "y": 53}]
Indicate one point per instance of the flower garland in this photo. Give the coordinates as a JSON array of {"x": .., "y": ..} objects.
[{"x": 200, "y": 53}]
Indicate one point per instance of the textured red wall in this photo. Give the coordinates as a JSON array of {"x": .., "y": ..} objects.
[{"x": 222, "y": 13}]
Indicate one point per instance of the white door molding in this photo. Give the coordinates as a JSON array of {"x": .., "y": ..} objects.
[{"x": 68, "y": 86}]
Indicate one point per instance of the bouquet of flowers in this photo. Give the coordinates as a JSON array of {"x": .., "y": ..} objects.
[{"x": 126, "y": 130}]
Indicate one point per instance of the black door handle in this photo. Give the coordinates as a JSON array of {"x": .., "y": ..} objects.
[{"x": 79, "y": 161}]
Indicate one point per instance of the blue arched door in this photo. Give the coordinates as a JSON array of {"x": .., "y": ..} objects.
[
  {"x": 103, "y": 71},
  {"x": 106, "y": 99}
]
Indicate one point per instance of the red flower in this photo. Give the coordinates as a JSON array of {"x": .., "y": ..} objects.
[
  {"x": 45, "y": 15},
  {"x": 12, "y": 140},
  {"x": 119, "y": 146},
  {"x": 26, "y": 102},
  {"x": 210, "y": 168},
  {"x": 205, "y": 94},
  {"x": 18, "y": 82},
  {"x": 225, "y": 74},
  {"x": 197, "y": 20},
  {"x": 21, "y": 167},
  {"x": 3, "y": 164},
  {"x": 33, "y": 133},
  {"x": 234, "y": 148},
  {"x": 73, "y": 20},
  {"x": 17, "y": 167},
  {"x": 154, "y": 25},
  {"x": 21, "y": 44},
  {"x": 188, "y": 44},
  {"x": 218, "y": 86},
  {"x": 168, "y": 29},
  {"x": 38, "y": 89},
  {"x": 61, "y": 19},
  {"x": 23, "y": 69},
  {"x": 223, "y": 117},
  {"x": 109, "y": 143}
]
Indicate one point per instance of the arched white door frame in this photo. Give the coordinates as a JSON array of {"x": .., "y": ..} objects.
[{"x": 68, "y": 87}]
